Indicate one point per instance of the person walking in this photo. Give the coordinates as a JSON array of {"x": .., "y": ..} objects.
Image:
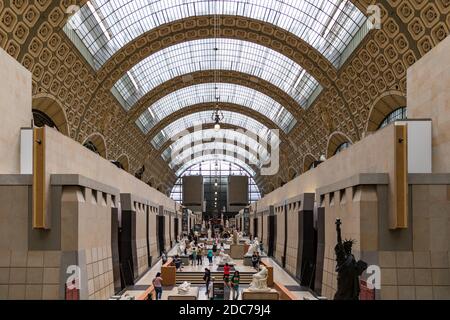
[
  {"x": 211, "y": 289},
  {"x": 164, "y": 257},
  {"x": 210, "y": 257},
  {"x": 194, "y": 256},
  {"x": 207, "y": 279},
  {"x": 235, "y": 280},
  {"x": 177, "y": 261},
  {"x": 226, "y": 288},
  {"x": 226, "y": 272},
  {"x": 214, "y": 248},
  {"x": 200, "y": 256},
  {"x": 157, "y": 284}
]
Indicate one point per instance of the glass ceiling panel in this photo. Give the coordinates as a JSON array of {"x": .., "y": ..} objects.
[
  {"x": 105, "y": 26},
  {"x": 200, "y": 55},
  {"x": 218, "y": 157},
  {"x": 206, "y": 93},
  {"x": 248, "y": 156},
  {"x": 210, "y": 135},
  {"x": 175, "y": 129}
]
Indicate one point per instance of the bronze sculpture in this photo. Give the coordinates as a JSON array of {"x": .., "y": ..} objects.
[{"x": 349, "y": 270}]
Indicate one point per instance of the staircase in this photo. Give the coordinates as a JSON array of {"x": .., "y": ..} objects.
[{"x": 197, "y": 277}]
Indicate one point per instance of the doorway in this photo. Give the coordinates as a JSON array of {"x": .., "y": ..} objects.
[{"x": 161, "y": 228}]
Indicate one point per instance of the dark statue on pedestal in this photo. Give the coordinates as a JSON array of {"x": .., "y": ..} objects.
[{"x": 349, "y": 270}]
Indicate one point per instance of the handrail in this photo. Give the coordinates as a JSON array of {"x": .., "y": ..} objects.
[
  {"x": 149, "y": 293},
  {"x": 285, "y": 294}
]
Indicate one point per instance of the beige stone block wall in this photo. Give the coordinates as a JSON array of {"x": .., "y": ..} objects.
[
  {"x": 29, "y": 275},
  {"x": 279, "y": 240},
  {"x": 66, "y": 156},
  {"x": 292, "y": 239},
  {"x": 363, "y": 156},
  {"x": 15, "y": 106},
  {"x": 167, "y": 231},
  {"x": 141, "y": 238},
  {"x": 152, "y": 234},
  {"x": 358, "y": 210},
  {"x": 428, "y": 96},
  {"x": 86, "y": 228}
]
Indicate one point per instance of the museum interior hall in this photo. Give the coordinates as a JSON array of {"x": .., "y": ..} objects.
[{"x": 225, "y": 150}]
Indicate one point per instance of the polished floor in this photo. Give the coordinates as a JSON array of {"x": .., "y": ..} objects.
[{"x": 280, "y": 276}]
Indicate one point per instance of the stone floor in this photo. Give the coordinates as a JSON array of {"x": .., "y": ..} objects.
[{"x": 280, "y": 276}]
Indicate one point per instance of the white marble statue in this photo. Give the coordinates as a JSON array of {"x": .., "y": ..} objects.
[
  {"x": 181, "y": 248},
  {"x": 254, "y": 247},
  {"x": 209, "y": 234},
  {"x": 235, "y": 237},
  {"x": 259, "y": 281},
  {"x": 184, "y": 288},
  {"x": 225, "y": 258}
]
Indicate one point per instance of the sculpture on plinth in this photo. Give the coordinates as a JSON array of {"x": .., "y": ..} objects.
[
  {"x": 224, "y": 259},
  {"x": 235, "y": 237},
  {"x": 259, "y": 280},
  {"x": 184, "y": 288},
  {"x": 209, "y": 234},
  {"x": 349, "y": 270},
  {"x": 254, "y": 247}
]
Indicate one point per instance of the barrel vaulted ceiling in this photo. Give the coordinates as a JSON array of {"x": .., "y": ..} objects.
[{"x": 129, "y": 70}]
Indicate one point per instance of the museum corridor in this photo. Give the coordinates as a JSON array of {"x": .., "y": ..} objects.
[{"x": 296, "y": 149}]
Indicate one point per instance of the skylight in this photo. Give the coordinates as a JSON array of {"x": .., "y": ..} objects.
[
  {"x": 327, "y": 25},
  {"x": 206, "y": 93}
]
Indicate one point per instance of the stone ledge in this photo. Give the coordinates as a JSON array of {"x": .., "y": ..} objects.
[
  {"x": 16, "y": 179},
  {"x": 82, "y": 181}
]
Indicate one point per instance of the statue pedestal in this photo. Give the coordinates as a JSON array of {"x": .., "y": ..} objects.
[
  {"x": 270, "y": 294},
  {"x": 175, "y": 295},
  {"x": 184, "y": 260},
  {"x": 248, "y": 261},
  {"x": 236, "y": 251}
]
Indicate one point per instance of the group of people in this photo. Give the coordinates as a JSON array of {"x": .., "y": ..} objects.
[{"x": 230, "y": 284}]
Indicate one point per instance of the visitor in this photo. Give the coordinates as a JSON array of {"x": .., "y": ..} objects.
[
  {"x": 226, "y": 272},
  {"x": 207, "y": 279},
  {"x": 255, "y": 260},
  {"x": 164, "y": 257},
  {"x": 177, "y": 262},
  {"x": 190, "y": 256},
  {"x": 200, "y": 256},
  {"x": 235, "y": 279},
  {"x": 157, "y": 284},
  {"x": 194, "y": 256},
  {"x": 211, "y": 289},
  {"x": 210, "y": 256},
  {"x": 226, "y": 288}
]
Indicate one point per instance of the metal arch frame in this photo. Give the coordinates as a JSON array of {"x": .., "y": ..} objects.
[
  {"x": 204, "y": 94},
  {"x": 259, "y": 181},
  {"x": 240, "y": 56},
  {"x": 190, "y": 139},
  {"x": 201, "y": 158},
  {"x": 211, "y": 148},
  {"x": 203, "y": 77},
  {"x": 305, "y": 20},
  {"x": 288, "y": 44},
  {"x": 236, "y": 109},
  {"x": 209, "y": 126}
]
